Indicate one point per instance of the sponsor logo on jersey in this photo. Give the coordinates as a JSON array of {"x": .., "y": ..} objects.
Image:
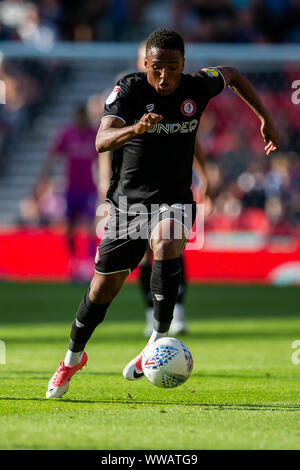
[
  {"x": 188, "y": 107},
  {"x": 211, "y": 72},
  {"x": 113, "y": 96},
  {"x": 174, "y": 127},
  {"x": 150, "y": 107}
]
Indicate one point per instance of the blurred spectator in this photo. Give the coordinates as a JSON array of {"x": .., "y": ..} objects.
[
  {"x": 79, "y": 20},
  {"x": 265, "y": 197},
  {"x": 277, "y": 179},
  {"x": 247, "y": 30},
  {"x": 33, "y": 22},
  {"x": 75, "y": 145},
  {"x": 44, "y": 207},
  {"x": 94, "y": 108},
  {"x": 214, "y": 178},
  {"x": 251, "y": 184},
  {"x": 294, "y": 209},
  {"x": 28, "y": 86}
]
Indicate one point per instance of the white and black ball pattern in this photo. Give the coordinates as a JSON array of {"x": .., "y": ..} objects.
[{"x": 167, "y": 362}]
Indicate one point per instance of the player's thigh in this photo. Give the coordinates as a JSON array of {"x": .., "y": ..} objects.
[
  {"x": 168, "y": 239},
  {"x": 170, "y": 229},
  {"x": 122, "y": 246},
  {"x": 105, "y": 287}
]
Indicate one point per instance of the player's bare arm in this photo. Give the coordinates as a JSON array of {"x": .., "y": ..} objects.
[
  {"x": 243, "y": 88},
  {"x": 112, "y": 133}
]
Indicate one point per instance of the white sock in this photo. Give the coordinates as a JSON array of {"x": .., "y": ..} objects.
[
  {"x": 73, "y": 358},
  {"x": 156, "y": 335},
  {"x": 178, "y": 313}
]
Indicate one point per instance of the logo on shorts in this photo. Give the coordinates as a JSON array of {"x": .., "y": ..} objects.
[
  {"x": 159, "y": 297},
  {"x": 188, "y": 107}
]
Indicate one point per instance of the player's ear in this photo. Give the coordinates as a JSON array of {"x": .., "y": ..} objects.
[
  {"x": 182, "y": 63},
  {"x": 145, "y": 63}
]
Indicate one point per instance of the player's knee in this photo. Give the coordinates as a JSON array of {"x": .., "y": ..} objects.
[
  {"x": 103, "y": 293},
  {"x": 166, "y": 249},
  {"x": 100, "y": 296}
]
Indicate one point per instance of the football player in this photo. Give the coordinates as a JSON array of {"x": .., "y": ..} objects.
[{"x": 150, "y": 122}]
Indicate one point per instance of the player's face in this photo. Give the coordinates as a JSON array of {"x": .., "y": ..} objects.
[{"x": 164, "y": 68}]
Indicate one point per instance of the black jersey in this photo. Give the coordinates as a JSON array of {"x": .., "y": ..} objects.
[{"x": 156, "y": 167}]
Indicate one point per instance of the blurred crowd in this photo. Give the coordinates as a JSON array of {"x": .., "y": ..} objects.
[
  {"x": 252, "y": 21},
  {"x": 246, "y": 189},
  {"x": 250, "y": 190},
  {"x": 27, "y": 88},
  {"x": 74, "y": 195},
  {"x": 42, "y": 22},
  {"x": 243, "y": 21}
]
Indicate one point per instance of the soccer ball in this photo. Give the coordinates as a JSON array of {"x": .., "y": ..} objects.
[{"x": 167, "y": 362}]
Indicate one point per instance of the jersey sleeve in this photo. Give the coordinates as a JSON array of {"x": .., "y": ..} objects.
[
  {"x": 212, "y": 79},
  {"x": 119, "y": 102}
]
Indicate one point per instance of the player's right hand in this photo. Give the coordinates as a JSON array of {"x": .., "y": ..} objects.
[
  {"x": 146, "y": 122},
  {"x": 270, "y": 136}
]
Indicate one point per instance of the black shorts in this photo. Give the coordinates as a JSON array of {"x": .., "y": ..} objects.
[{"x": 126, "y": 237}]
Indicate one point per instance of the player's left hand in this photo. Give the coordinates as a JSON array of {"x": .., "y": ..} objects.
[{"x": 270, "y": 136}]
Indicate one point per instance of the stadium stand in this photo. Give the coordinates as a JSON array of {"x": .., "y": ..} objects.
[
  {"x": 242, "y": 21},
  {"x": 233, "y": 147},
  {"x": 49, "y": 78}
]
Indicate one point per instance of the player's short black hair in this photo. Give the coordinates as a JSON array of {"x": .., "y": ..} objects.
[{"x": 165, "y": 39}]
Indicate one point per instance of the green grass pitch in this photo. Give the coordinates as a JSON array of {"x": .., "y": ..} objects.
[{"x": 244, "y": 392}]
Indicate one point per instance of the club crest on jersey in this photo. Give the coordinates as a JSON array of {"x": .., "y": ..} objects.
[
  {"x": 150, "y": 107},
  {"x": 188, "y": 107},
  {"x": 113, "y": 96}
]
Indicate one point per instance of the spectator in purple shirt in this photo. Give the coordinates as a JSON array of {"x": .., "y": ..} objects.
[{"x": 75, "y": 145}]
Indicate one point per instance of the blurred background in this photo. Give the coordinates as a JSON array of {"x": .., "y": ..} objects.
[{"x": 59, "y": 59}]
